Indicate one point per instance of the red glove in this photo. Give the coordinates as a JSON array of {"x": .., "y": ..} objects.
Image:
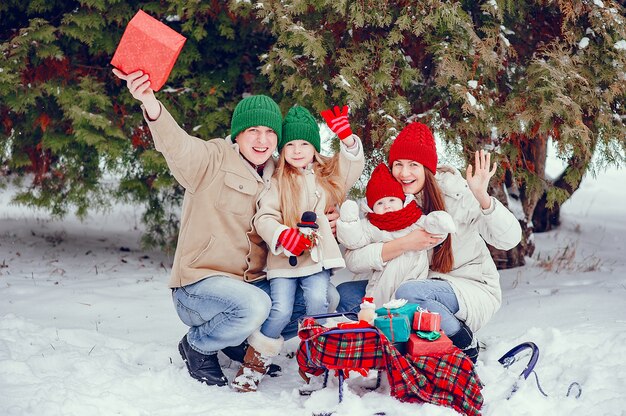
[
  {"x": 338, "y": 122},
  {"x": 293, "y": 241}
]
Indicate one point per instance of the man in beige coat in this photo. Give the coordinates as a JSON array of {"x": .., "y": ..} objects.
[{"x": 218, "y": 276}]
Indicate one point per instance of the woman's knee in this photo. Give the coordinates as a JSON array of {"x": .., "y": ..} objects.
[{"x": 411, "y": 292}]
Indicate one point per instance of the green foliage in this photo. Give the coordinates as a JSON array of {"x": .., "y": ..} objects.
[
  {"x": 501, "y": 74},
  {"x": 504, "y": 75},
  {"x": 74, "y": 132}
]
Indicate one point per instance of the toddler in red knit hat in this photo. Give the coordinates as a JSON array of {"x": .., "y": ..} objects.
[{"x": 389, "y": 214}]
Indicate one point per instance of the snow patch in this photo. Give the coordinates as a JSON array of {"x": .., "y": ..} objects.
[
  {"x": 584, "y": 42},
  {"x": 505, "y": 40},
  {"x": 620, "y": 45},
  {"x": 344, "y": 81},
  {"x": 471, "y": 99}
]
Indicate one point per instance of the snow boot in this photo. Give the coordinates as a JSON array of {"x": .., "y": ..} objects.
[
  {"x": 465, "y": 341},
  {"x": 259, "y": 354},
  {"x": 237, "y": 353},
  {"x": 202, "y": 367}
]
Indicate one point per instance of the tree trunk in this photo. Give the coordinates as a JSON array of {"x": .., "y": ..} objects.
[
  {"x": 546, "y": 218},
  {"x": 507, "y": 259},
  {"x": 535, "y": 152}
]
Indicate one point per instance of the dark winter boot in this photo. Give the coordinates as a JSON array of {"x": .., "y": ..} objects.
[
  {"x": 464, "y": 340},
  {"x": 259, "y": 354},
  {"x": 237, "y": 353},
  {"x": 204, "y": 368}
]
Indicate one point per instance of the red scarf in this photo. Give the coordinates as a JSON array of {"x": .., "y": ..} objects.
[{"x": 396, "y": 220}]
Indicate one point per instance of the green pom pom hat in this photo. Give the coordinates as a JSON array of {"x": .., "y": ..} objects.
[
  {"x": 256, "y": 110},
  {"x": 299, "y": 124}
]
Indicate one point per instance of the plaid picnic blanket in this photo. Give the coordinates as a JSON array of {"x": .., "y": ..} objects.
[{"x": 446, "y": 380}]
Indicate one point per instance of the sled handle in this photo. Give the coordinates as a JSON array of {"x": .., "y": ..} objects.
[
  {"x": 509, "y": 358},
  {"x": 351, "y": 315}
]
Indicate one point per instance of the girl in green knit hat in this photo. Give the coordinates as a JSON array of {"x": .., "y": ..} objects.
[{"x": 291, "y": 220}]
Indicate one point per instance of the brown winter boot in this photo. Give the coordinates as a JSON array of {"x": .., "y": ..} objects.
[{"x": 261, "y": 350}]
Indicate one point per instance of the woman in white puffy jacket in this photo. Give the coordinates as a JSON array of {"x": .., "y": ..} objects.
[{"x": 463, "y": 283}]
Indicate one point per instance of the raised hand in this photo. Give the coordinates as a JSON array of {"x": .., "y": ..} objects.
[
  {"x": 138, "y": 85},
  {"x": 337, "y": 121},
  {"x": 478, "y": 177},
  {"x": 294, "y": 242}
]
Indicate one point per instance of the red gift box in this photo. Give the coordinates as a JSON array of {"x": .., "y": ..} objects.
[
  {"x": 426, "y": 321},
  {"x": 419, "y": 346},
  {"x": 150, "y": 46}
]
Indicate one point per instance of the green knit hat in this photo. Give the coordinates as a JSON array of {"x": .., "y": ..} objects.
[
  {"x": 299, "y": 124},
  {"x": 256, "y": 110}
]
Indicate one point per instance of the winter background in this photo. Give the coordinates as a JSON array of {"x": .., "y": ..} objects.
[{"x": 87, "y": 326}]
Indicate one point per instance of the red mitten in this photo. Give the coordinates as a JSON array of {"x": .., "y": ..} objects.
[
  {"x": 293, "y": 241},
  {"x": 338, "y": 122}
]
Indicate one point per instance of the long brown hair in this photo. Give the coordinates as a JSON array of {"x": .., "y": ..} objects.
[
  {"x": 326, "y": 176},
  {"x": 432, "y": 200}
]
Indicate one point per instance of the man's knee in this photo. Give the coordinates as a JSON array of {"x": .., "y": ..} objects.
[{"x": 258, "y": 311}]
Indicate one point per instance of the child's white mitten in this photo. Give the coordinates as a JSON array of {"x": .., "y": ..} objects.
[
  {"x": 349, "y": 211},
  {"x": 440, "y": 223}
]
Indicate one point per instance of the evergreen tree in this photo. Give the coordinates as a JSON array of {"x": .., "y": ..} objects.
[
  {"x": 504, "y": 75},
  {"x": 70, "y": 126},
  {"x": 500, "y": 74}
]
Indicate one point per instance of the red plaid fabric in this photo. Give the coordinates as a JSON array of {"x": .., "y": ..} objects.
[{"x": 447, "y": 380}]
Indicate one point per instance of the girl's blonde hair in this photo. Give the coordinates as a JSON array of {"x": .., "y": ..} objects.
[
  {"x": 327, "y": 177},
  {"x": 432, "y": 200}
]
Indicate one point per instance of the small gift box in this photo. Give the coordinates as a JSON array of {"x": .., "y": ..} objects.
[
  {"x": 419, "y": 346},
  {"x": 150, "y": 46},
  {"x": 395, "y": 327},
  {"x": 426, "y": 321},
  {"x": 407, "y": 310}
]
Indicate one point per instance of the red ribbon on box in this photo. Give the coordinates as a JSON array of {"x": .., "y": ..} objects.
[
  {"x": 393, "y": 337},
  {"x": 150, "y": 46}
]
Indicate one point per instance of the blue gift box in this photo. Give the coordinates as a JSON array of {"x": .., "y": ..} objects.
[
  {"x": 397, "y": 328},
  {"x": 408, "y": 310}
]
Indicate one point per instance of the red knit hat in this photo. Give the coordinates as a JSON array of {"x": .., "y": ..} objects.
[
  {"x": 382, "y": 184},
  {"x": 415, "y": 142}
]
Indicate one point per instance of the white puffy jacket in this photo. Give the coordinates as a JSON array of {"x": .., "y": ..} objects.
[{"x": 474, "y": 277}]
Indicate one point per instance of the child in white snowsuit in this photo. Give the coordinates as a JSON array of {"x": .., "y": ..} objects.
[{"x": 390, "y": 215}]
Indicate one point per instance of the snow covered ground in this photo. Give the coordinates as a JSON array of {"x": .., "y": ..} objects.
[{"x": 87, "y": 326}]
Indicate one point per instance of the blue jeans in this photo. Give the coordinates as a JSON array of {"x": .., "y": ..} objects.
[
  {"x": 283, "y": 295},
  {"x": 222, "y": 312},
  {"x": 432, "y": 294},
  {"x": 436, "y": 296}
]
